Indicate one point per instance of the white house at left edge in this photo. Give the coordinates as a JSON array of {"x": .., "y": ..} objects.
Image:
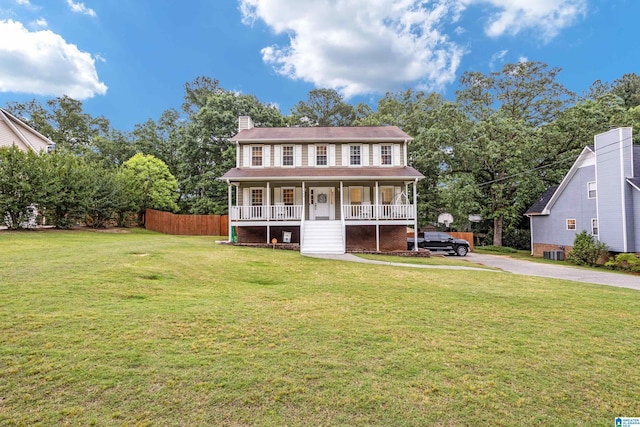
[{"x": 14, "y": 132}]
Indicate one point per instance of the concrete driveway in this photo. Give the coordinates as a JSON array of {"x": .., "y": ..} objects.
[
  {"x": 529, "y": 268},
  {"x": 517, "y": 266}
]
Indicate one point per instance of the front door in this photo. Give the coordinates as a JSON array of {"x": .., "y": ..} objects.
[{"x": 321, "y": 203}]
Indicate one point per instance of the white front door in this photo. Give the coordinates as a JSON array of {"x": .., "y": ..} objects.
[{"x": 321, "y": 203}]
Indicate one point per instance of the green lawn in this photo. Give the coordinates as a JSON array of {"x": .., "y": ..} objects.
[{"x": 147, "y": 329}]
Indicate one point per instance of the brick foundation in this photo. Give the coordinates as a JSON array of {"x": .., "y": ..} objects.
[
  {"x": 539, "y": 248},
  {"x": 363, "y": 238}
]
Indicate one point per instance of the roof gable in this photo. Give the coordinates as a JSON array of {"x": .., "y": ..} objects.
[
  {"x": 543, "y": 205},
  {"x": 14, "y": 131}
]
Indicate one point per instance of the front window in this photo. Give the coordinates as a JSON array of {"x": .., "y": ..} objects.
[
  {"x": 321, "y": 155},
  {"x": 256, "y": 156},
  {"x": 387, "y": 195},
  {"x": 594, "y": 226},
  {"x": 256, "y": 197},
  {"x": 355, "y": 195},
  {"x": 287, "y": 196},
  {"x": 287, "y": 155},
  {"x": 591, "y": 190},
  {"x": 571, "y": 224},
  {"x": 385, "y": 155},
  {"x": 354, "y": 155}
]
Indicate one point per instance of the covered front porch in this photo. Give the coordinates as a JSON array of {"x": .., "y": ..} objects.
[{"x": 321, "y": 213}]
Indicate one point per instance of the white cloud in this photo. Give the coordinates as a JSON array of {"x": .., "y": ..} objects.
[
  {"x": 547, "y": 17},
  {"x": 368, "y": 46},
  {"x": 23, "y": 2},
  {"x": 79, "y": 7},
  {"x": 497, "y": 57},
  {"x": 40, "y": 23},
  {"x": 360, "y": 46},
  {"x": 43, "y": 63}
]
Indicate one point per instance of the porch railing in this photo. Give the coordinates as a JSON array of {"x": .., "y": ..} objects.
[
  {"x": 365, "y": 211},
  {"x": 295, "y": 212},
  {"x": 272, "y": 213}
]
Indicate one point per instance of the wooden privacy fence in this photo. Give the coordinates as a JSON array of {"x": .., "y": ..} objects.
[
  {"x": 186, "y": 225},
  {"x": 466, "y": 236}
]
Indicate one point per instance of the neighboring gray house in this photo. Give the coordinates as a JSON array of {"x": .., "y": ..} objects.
[{"x": 599, "y": 194}]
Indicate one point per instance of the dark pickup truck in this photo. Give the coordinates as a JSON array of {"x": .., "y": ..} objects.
[{"x": 439, "y": 241}]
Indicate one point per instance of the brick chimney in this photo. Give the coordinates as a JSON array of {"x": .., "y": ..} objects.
[{"x": 244, "y": 122}]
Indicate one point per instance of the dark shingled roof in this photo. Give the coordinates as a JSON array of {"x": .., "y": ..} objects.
[
  {"x": 322, "y": 174},
  {"x": 539, "y": 205},
  {"x": 337, "y": 134}
]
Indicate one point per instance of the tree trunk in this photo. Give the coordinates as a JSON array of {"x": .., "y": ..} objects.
[{"x": 497, "y": 230}]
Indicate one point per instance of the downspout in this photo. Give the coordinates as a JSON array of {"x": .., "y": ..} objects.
[
  {"x": 415, "y": 215},
  {"x": 531, "y": 232},
  {"x": 406, "y": 145}
]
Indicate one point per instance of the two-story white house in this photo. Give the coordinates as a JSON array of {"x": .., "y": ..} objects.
[{"x": 330, "y": 189}]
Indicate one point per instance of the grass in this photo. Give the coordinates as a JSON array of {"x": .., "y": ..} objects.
[{"x": 147, "y": 329}]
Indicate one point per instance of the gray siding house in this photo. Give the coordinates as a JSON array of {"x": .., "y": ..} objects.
[{"x": 599, "y": 194}]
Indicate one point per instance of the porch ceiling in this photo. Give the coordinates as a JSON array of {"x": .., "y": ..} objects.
[{"x": 322, "y": 174}]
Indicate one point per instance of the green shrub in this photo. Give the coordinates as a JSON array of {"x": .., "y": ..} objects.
[
  {"x": 587, "y": 250},
  {"x": 625, "y": 262}
]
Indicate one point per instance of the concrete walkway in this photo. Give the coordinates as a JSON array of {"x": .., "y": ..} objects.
[{"x": 516, "y": 266}]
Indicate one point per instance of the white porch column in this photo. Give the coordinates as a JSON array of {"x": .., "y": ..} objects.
[
  {"x": 230, "y": 197},
  {"x": 341, "y": 202},
  {"x": 415, "y": 215},
  {"x": 268, "y": 210},
  {"x": 376, "y": 199}
]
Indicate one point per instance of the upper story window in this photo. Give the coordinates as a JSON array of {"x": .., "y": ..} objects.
[
  {"x": 591, "y": 190},
  {"x": 355, "y": 155},
  {"x": 287, "y": 155},
  {"x": 321, "y": 155},
  {"x": 256, "y": 156},
  {"x": 386, "y": 155}
]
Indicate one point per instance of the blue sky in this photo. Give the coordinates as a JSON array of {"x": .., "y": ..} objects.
[{"x": 128, "y": 60}]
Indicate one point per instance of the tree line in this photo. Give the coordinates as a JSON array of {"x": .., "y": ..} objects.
[{"x": 491, "y": 151}]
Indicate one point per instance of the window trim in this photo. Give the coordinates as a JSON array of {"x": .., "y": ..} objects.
[
  {"x": 293, "y": 196},
  {"x": 326, "y": 155},
  {"x": 253, "y": 156},
  {"x": 251, "y": 193},
  {"x": 382, "y": 163},
  {"x": 293, "y": 156},
  {"x": 568, "y": 224},
  {"x": 589, "y": 190},
  {"x": 359, "y": 147}
]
